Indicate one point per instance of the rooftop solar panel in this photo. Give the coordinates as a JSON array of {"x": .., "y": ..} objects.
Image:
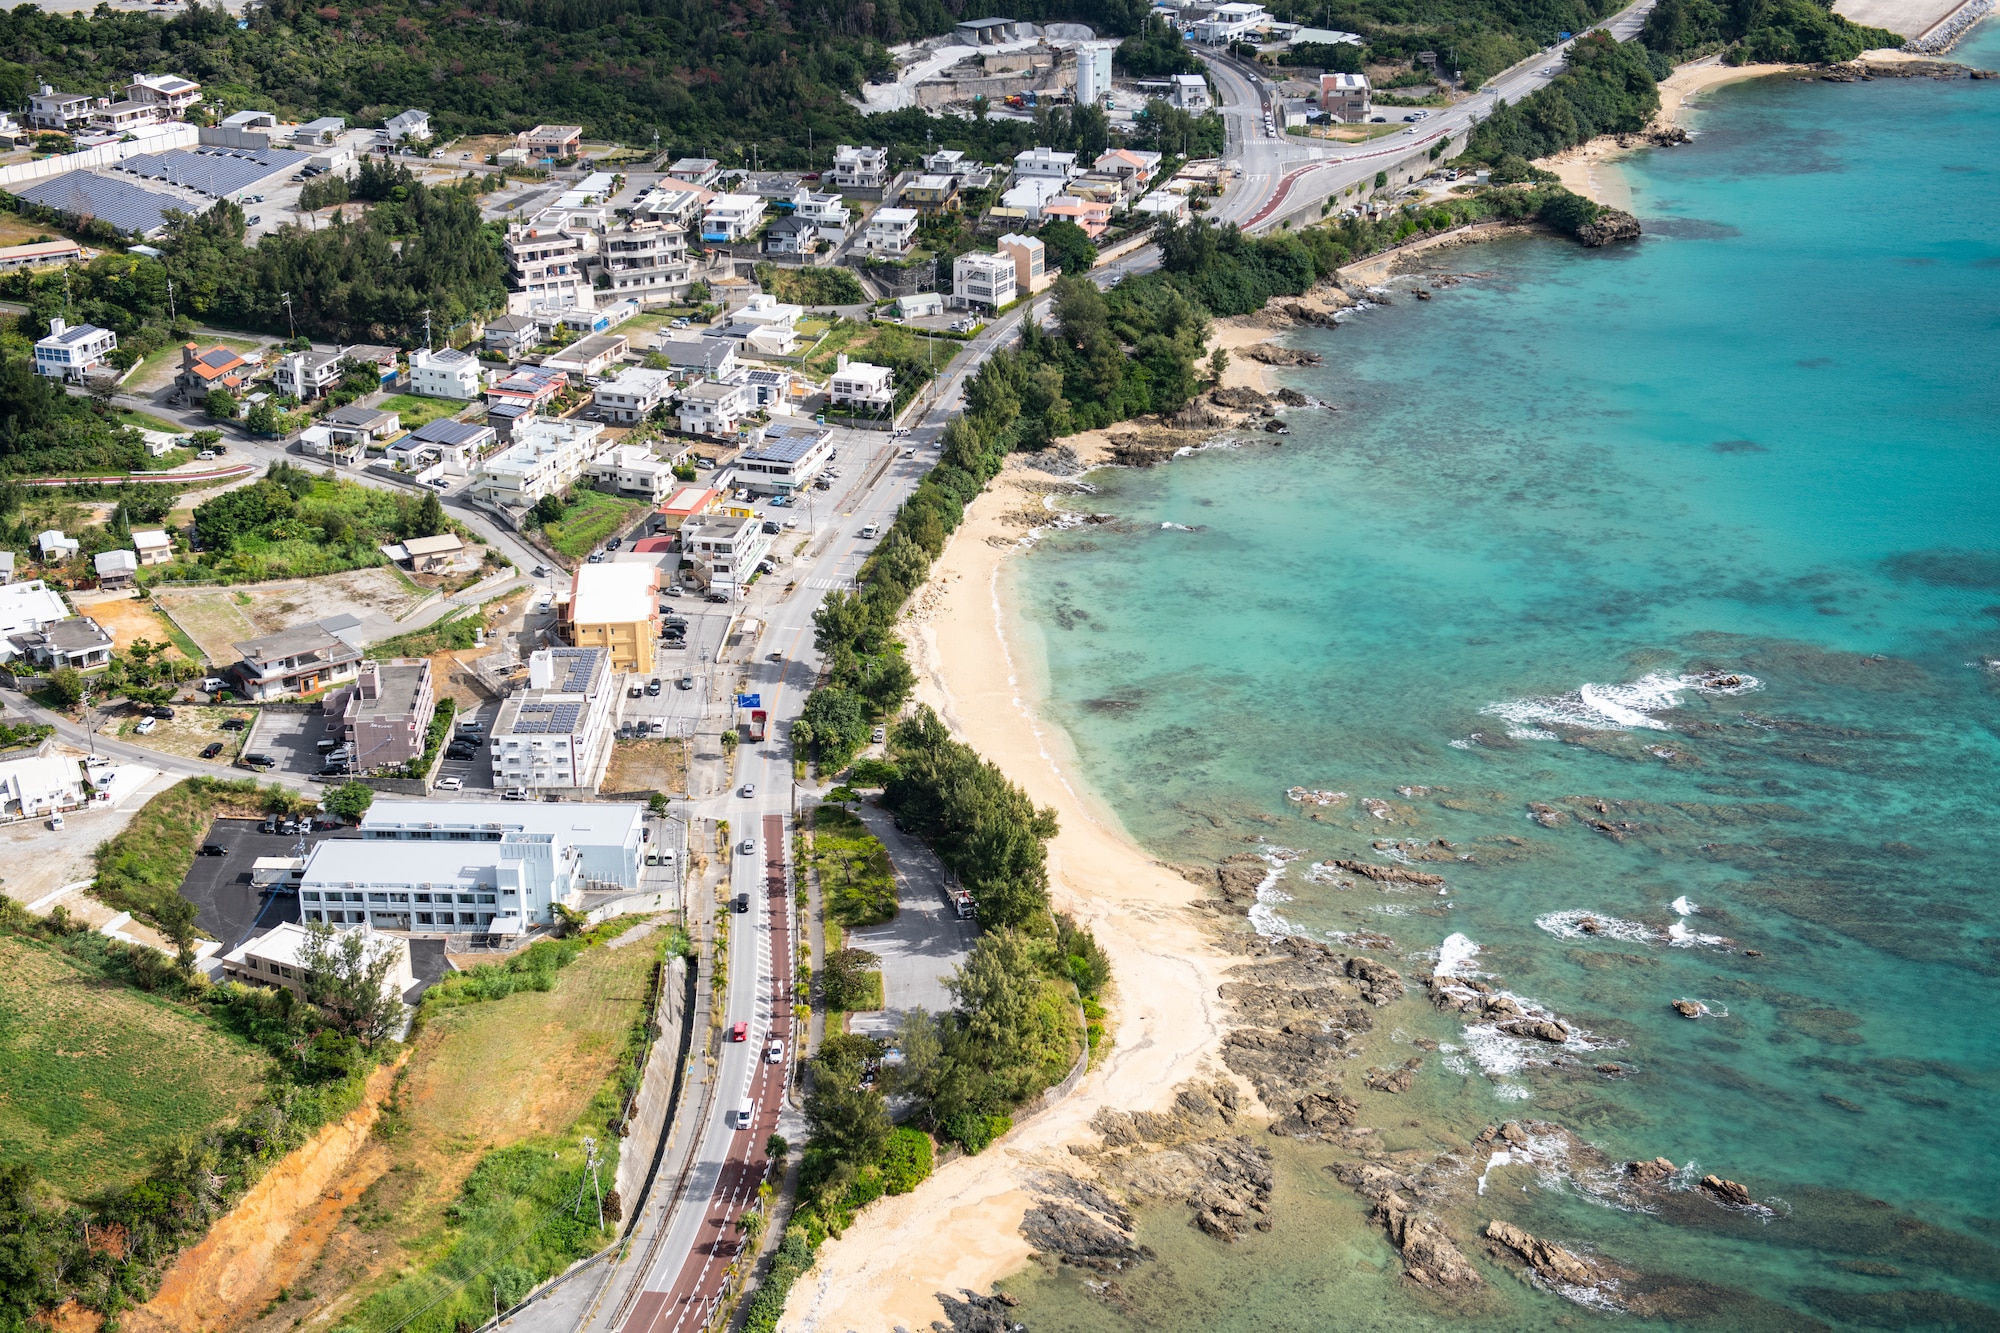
[{"x": 214, "y": 171}]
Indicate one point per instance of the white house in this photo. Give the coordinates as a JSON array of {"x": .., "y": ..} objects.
[
  {"x": 116, "y": 569},
  {"x": 983, "y": 281},
  {"x": 1027, "y": 196},
  {"x": 55, "y": 546},
  {"x": 702, "y": 356},
  {"x": 765, "y": 309},
  {"x": 70, "y": 352},
  {"x": 1227, "y": 23},
  {"x": 784, "y": 459},
  {"x": 446, "y": 373},
  {"x": 1045, "y": 162},
  {"x": 631, "y": 397},
  {"x": 731, "y": 217},
  {"x": 860, "y": 168},
  {"x": 711, "y": 407},
  {"x": 858, "y": 384},
  {"x": 1162, "y": 204},
  {"x": 412, "y": 124},
  {"x": 1190, "y": 92},
  {"x": 307, "y": 375},
  {"x": 153, "y": 546},
  {"x": 824, "y": 211},
  {"x": 38, "y": 786},
  {"x": 891, "y": 231},
  {"x": 545, "y": 457},
  {"x": 632, "y": 469},
  {"x": 171, "y": 93}
]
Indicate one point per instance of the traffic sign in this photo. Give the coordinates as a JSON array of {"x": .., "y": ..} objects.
[{"x": 749, "y": 701}]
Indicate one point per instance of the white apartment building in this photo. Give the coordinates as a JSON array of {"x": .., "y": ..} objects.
[
  {"x": 1229, "y": 22},
  {"x": 411, "y": 124},
  {"x": 69, "y": 352},
  {"x": 983, "y": 281},
  {"x": 307, "y": 375},
  {"x": 784, "y": 459},
  {"x": 557, "y": 732},
  {"x": 891, "y": 231},
  {"x": 728, "y": 546},
  {"x": 631, "y": 397},
  {"x": 1027, "y": 195},
  {"x": 1031, "y": 261},
  {"x": 1045, "y": 162},
  {"x": 711, "y": 407},
  {"x": 39, "y": 786},
  {"x": 273, "y": 958},
  {"x": 646, "y": 260},
  {"x": 731, "y": 217},
  {"x": 673, "y": 204},
  {"x": 860, "y": 168},
  {"x": 545, "y": 458},
  {"x": 52, "y": 110},
  {"x": 632, "y": 469},
  {"x": 446, "y": 373},
  {"x": 767, "y": 310},
  {"x": 434, "y": 866},
  {"x": 546, "y": 263},
  {"x": 858, "y": 384}
]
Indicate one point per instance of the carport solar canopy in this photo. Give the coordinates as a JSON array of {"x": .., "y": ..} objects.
[{"x": 215, "y": 171}]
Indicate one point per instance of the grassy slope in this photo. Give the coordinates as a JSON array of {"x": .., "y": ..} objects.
[
  {"x": 490, "y": 1087},
  {"x": 591, "y": 520},
  {"x": 100, "y": 1075}
]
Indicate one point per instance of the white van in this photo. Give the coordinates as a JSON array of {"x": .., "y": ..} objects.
[
  {"x": 741, "y": 1117},
  {"x": 868, "y": 531}
]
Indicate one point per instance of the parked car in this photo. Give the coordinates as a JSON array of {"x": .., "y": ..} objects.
[
  {"x": 879, "y": 735},
  {"x": 145, "y": 727},
  {"x": 596, "y": 558},
  {"x": 260, "y": 761},
  {"x": 212, "y": 749},
  {"x": 722, "y": 597},
  {"x": 541, "y": 571},
  {"x": 160, "y": 711},
  {"x": 514, "y": 794},
  {"x": 55, "y": 823},
  {"x": 214, "y": 849},
  {"x": 684, "y": 683},
  {"x": 331, "y": 771},
  {"x": 634, "y": 692},
  {"x": 450, "y": 784},
  {"x": 614, "y": 543},
  {"x": 234, "y": 723},
  {"x": 653, "y": 685}
]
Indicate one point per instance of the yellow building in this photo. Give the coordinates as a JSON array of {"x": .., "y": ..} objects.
[{"x": 616, "y": 607}]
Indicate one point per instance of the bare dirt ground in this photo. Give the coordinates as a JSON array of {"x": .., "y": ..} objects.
[
  {"x": 647, "y": 766},
  {"x": 124, "y": 617},
  {"x": 191, "y": 729},
  {"x": 219, "y": 618}
]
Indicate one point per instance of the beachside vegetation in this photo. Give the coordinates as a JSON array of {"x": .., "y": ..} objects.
[
  {"x": 1606, "y": 87},
  {"x": 855, "y": 880},
  {"x": 179, "y": 1098},
  {"x": 1774, "y": 31}
]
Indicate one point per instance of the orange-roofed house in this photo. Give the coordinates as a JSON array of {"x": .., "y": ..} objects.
[
  {"x": 686, "y": 503},
  {"x": 1094, "y": 217},
  {"x": 216, "y": 368}
]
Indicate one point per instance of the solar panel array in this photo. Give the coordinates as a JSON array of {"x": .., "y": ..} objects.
[
  {"x": 548, "y": 718},
  {"x": 789, "y": 447},
  {"x": 125, "y": 206},
  {"x": 577, "y": 664},
  {"x": 214, "y": 171}
]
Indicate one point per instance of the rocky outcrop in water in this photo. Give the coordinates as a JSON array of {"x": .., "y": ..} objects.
[
  {"x": 1541, "y": 1029},
  {"x": 1397, "y": 1080},
  {"x": 1242, "y": 399},
  {"x": 1380, "y": 983},
  {"x": 1552, "y": 1261},
  {"x": 969, "y": 1312},
  {"x": 1317, "y": 1115},
  {"x": 1650, "y": 1173},
  {"x": 1187, "y": 1153},
  {"x": 1271, "y": 354},
  {"x": 1430, "y": 1257},
  {"x": 1292, "y": 398},
  {"x": 1390, "y": 874},
  {"x": 1609, "y": 225},
  {"x": 1728, "y": 1191}
]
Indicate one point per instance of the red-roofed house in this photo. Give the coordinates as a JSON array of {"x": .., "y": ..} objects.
[
  {"x": 216, "y": 368},
  {"x": 1092, "y": 216},
  {"x": 686, "y": 503}
]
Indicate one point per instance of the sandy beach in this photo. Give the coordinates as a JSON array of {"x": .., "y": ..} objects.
[
  {"x": 960, "y": 1229},
  {"x": 1590, "y": 169}
]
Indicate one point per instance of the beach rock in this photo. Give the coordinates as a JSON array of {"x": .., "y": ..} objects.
[
  {"x": 1542, "y": 1029},
  {"x": 1317, "y": 1115},
  {"x": 1271, "y": 354},
  {"x": 1664, "y": 136},
  {"x": 1650, "y": 1173},
  {"x": 1192, "y": 417},
  {"x": 1301, "y": 313},
  {"x": 1547, "y": 1258},
  {"x": 1292, "y": 398},
  {"x": 1728, "y": 1191},
  {"x": 1239, "y": 878},
  {"x": 1609, "y": 225},
  {"x": 1239, "y": 399},
  {"x": 1380, "y": 983},
  {"x": 1430, "y": 1258},
  {"x": 1396, "y": 1080},
  {"x": 1390, "y": 874},
  {"x": 1502, "y": 1006},
  {"x": 969, "y": 1312},
  {"x": 1687, "y": 1008}
]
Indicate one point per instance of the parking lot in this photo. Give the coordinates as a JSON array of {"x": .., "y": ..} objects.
[
  {"x": 474, "y": 774},
  {"x": 228, "y": 905},
  {"x": 291, "y": 739}
]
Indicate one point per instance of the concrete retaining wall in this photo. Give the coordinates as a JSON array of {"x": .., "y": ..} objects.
[{"x": 24, "y": 173}]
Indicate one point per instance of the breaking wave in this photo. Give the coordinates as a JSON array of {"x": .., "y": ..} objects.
[{"x": 1628, "y": 707}]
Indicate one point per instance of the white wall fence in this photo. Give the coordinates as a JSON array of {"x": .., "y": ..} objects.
[{"x": 24, "y": 173}]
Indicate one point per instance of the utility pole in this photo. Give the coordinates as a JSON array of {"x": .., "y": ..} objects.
[
  {"x": 427, "y": 330},
  {"x": 291, "y": 328},
  {"x": 590, "y": 1160},
  {"x": 170, "y": 301}
]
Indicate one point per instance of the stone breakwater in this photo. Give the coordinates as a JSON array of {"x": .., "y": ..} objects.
[{"x": 1946, "y": 35}]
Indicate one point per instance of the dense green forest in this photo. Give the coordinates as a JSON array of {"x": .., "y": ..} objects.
[
  {"x": 1607, "y": 87},
  {"x": 1745, "y": 31},
  {"x": 44, "y": 430},
  {"x": 1478, "y": 38}
]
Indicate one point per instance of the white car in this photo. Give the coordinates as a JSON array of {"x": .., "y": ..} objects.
[
  {"x": 450, "y": 784},
  {"x": 774, "y": 1054},
  {"x": 747, "y": 847},
  {"x": 748, "y": 789},
  {"x": 145, "y": 727}
]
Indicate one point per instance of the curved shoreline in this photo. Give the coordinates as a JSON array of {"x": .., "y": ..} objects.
[{"x": 961, "y": 1228}]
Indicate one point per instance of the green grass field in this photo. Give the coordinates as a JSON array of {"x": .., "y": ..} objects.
[
  {"x": 147, "y": 421},
  {"x": 415, "y": 411},
  {"x": 100, "y": 1075},
  {"x": 589, "y": 521},
  {"x": 854, "y": 874}
]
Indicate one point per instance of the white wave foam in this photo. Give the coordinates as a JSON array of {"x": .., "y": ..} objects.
[
  {"x": 1685, "y": 908},
  {"x": 1176, "y": 527},
  {"x": 1455, "y": 956},
  {"x": 1627, "y": 707},
  {"x": 1263, "y": 914},
  {"x": 1568, "y": 925},
  {"x": 1681, "y": 937}
]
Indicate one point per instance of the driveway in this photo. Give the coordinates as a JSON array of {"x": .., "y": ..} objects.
[{"x": 925, "y": 942}]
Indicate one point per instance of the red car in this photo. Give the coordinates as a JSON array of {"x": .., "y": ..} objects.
[{"x": 741, "y": 1032}]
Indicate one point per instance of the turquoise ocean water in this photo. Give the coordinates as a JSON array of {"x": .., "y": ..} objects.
[{"x": 1556, "y": 503}]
